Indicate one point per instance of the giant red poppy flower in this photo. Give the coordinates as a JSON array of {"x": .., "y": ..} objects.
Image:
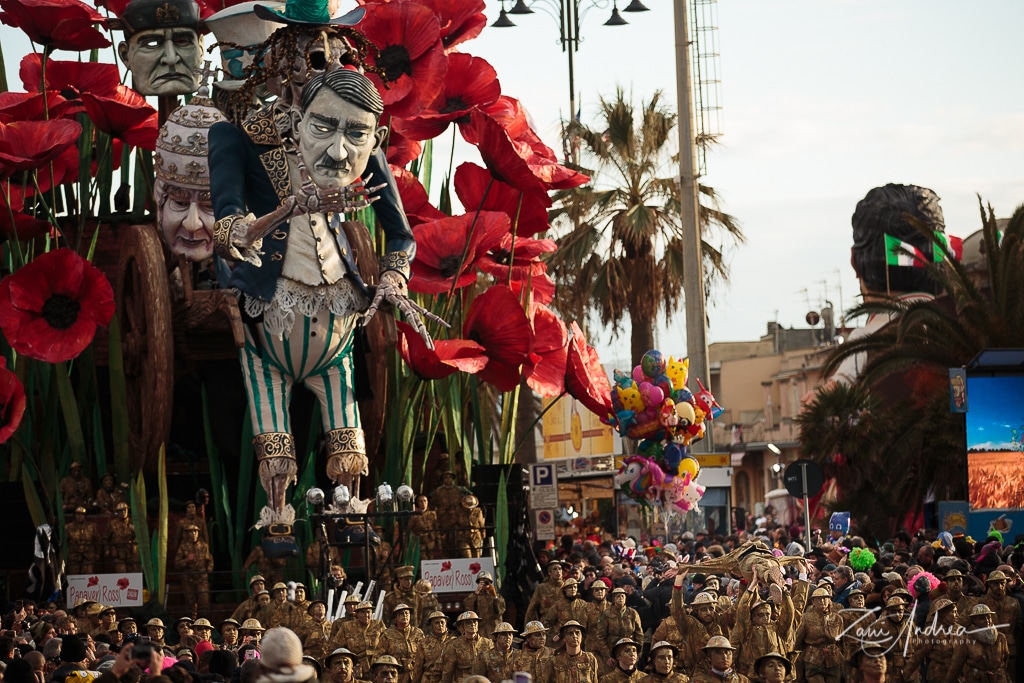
[
  {"x": 478, "y": 190},
  {"x": 471, "y": 82},
  {"x": 70, "y": 79},
  {"x": 585, "y": 379},
  {"x": 26, "y": 106},
  {"x": 497, "y": 321},
  {"x": 516, "y": 258},
  {"x": 28, "y": 145},
  {"x": 399, "y": 149},
  {"x": 545, "y": 374},
  {"x": 57, "y": 24},
  {"x": 461, "y": 20},
  {"x": 447, "y": 357},
  {"x": 49, "y": 308},
  {"x": 502, "y": 156},
  {"x": 540, "y": 288},
  {"x": 126, "y": 116},
  {"x": 447, "y": 250},
  {"x": 14, "y": 224},
  {"x": 12, "y": 402},
  {"x": 417, "y": 205},
  {"x": 411, "y": 57}
]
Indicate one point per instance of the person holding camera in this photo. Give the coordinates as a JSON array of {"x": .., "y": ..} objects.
[{"x": 486, "y": 602}]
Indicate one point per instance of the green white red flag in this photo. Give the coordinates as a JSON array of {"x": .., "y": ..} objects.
[
  {"x": 900, "y": 253},
  {"x": 954, "y": 245}
]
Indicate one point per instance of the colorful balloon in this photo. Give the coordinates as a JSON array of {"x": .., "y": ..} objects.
[{"x": 654, "y": 363}]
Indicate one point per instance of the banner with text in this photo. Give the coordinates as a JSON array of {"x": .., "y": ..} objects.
[
  {"x": 457, "y": 575},
  {"x": 115, "y": 590}
]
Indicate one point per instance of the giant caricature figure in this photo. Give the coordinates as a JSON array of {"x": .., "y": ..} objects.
[
  {"x": 280, "y": 183},
  {"x": 162, "y": 47}
]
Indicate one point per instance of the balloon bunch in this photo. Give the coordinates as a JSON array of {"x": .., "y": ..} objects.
[{"x": 653, "y": 405}]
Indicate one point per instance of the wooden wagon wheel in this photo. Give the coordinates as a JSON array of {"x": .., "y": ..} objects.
[{"x": 147, "y": 341}]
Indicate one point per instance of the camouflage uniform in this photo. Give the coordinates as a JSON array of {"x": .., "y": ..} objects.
[
  {"x": 617, "y": 675},
  {"x": 710, "y": 677},
  {"x": 361, "y": 640},
  {"x": 669, "y": 632},
  {"x": 428, "y": 664},
  {"x": 566, "y": 610},
  {"x": 398, "y": 596},
  {"x": 491, "y": 609},
  {"x": 1007, "y": 611},
  {"x": 695, "y": 633},
  {"x": 751, "y": 640},
  {"x": 82, "y": 545},
  {"x": 460, "y": 657},
  {"x": 195, "y": 562},
  {"x": 936, "y": 648},
  {"x": 817, "y": 640},
  {"x": 496, "y": 666},
  {"x": 532, "y": 661},
  {"x": 564, "y": 668},
  {"x": 401, "y": 645},
  {"x": 674, "y": 677},
  {"x": 613, "y": 625},
  {"x": 121, "y": 548},
  {"x": 316, "y": 637},
  {"x": 544, "y": 596},
  {"x": 979, "y": 662}
]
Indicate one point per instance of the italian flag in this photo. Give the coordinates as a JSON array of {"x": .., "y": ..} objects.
[
  {"x": 900, "y": 253},
  {"x": 954, "y": 245}
]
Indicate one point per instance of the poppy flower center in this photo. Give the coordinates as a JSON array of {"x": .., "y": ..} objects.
[
  {"x": 502, "y": 256},
  {"x": 454, "y": 104},
  {"x": 449, "y": 265},
  {"x": 394, "y": 60},
  {"x": 61, "y": 311}
]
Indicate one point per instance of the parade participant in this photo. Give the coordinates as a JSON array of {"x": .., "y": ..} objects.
[
  {"x": 155, "y": 630},
  {"x": 162, "y": 49},
  {"x": 755, "y": 634},
  {"x": 195, "y": 562},
  {"x": 76, "y": 490},
  {"x": 446, "y": 500},
  {"x": 954, "y": 581},
  {"x": 403, "y": 593},
  {"x": 460, "y": 653},
  {"x": 108, "y": 621},
  {"x": 546, "y": 593},
  {"x": 871, "y": 664},
  {"x": 360, "y": 636},
  {"x": 471, "y": 527},
  {"x": 1007, "y": 616},
  {"x": 127, "y": 626},
  {"x": 428, "y": 664},
  {"x": 424, "y": 527},
  {"x": 615, "y": 623},
  {"x": 663, "y": 664},
  {"x": 300, "y": 600},
  {"x": 351, "y": 602},
  {"x": 341, "y": 666},
  {"x": 936, "y": 647},
  {"x": 486, "y": 602},
  {"x": 92, "y": 614},
  {"x": 248, "y": 608},
  {"x": 337, "y": 581},
  {"x": 570, "y": 607},
  {"x": 183, "y": 628},
  {"x": 427, "y": 602},
  {"x": 571, "y": 665},
  {"x": 251, "y": 632},
  {"x": 109, "y": 494},
  {"x": 316, "y": 634},
  {"x": 82, "y": 543},
  {"x": 816, "y": 638},
  {"x": 773, "y": 667},
  {"x": 598, "y": 604},
  {"x": 719, "y": 654},
  {"x": 533, "y": 651},
  {"x": 282, "y": 612},
  {"x": 401, "y": 640},
  {"x": 668, "y": 631},
  {"x": 696, "y": 627},
  {"x": 203, "y": 630},
  {"x": 386, "y": 669},
  {"x": 894, "y": 629},
  {"x": 853, "y": 616},
  {"x": 498, "y": 663},
  {"x": 229, "y": 634},
  {"x": 626, "y": 654},
  {"x": 121, "y": 548},
  {"x": 982, "y": 657},
  {"x": 79, "y": 614},
  {"x": 192, "y": 517}
]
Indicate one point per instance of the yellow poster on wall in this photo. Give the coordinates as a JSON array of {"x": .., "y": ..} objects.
[{"x": 571, "y": 431}]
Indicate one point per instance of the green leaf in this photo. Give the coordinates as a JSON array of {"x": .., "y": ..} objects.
[
  {"x": 160, "y": 551},
  {"x": 140, "y": 520},
  {"x": 221, "y": 506},
  {"x": 69, "y": 408},
  {"x": 35, "y": 505},
  {"x": 501, "y": 525}
]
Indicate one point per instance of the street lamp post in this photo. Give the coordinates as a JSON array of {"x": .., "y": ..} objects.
[{"x": 568, "y": 14}]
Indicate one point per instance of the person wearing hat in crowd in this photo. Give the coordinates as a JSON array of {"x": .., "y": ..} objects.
[
  {"x": 871, "y": 664},
  {"x": 74, "y": 660},
  {"x": 184, "y": 654},
  {"x": 663, "y": 664},
  {"x": 316, "y": 632},
  {"x": 486, "y": 602},
  {"x": 890, "y": 631},
  {"x": 162, "y": 47},
  {"x": 120, "y": 547},
  {"x": 667, "y": 631},
  {"x": 192, "y": 515},
  {"x": 954, "y": 581},
  {"x": 428, "y": 662},
  {"x": 696, "y": 626},
  {"x": 817, "y": 638},
  {"x": 76, "y": 489},
  {"x": 126, "y": 626},
  {"x": 626, "y": 654},
  {"x": 755, "y": 634},
  {"x": 572, "y": 664},
  {"x": 427, "y": 601},
  {"x": 79, "y": 614},
  {"x": 281, "y": 612},
  {"x": 446, "y": 500},
  {"x": 360, "y": 636},
  {"x": 570, "y": 607},
  {"x": 351, "y": 602},
  {"x": 498, "y": 663},
  {"x": 460, "y": 653},
  {"x": 228, "y": 630},
  {"x": 155, "y": 630},
  {"x": 533, "y": 651},
  {"x": 773, "y": 667},
  {"x": 597, "y": 605},
  {"x": 424, "y": 527},
  {"x": 195, "y": 563},
  {"x": 853, "y": 616},
  {"x": 546, "y": 593},
  {"x": 982, "y": 656},
  {"x": 281, "y": 659},
  {"x": 386, "y": 669},
  {"x": 471, "y": 525},
  {"x": 401, "y": 640},
  {"x": 183, "y": 628},
  {"x": 250, "y": 633},
  {"x": 937, "y": 647},
  {"x": 82, "y": 543},
  {"x": 403, "y": 593},
  {"x": 92, "y": 614},
  {"x": 203, "y": 630},
  {"x": 719, "y": 654},
  {"x": 615, "y": 623},
  {"x": 301, "y": 600},
  {"x": 1006, "y": 611},
  {"x": 107, "y": 623},
  {"x": 341, "y": 667},
  {"x": 248, "y": 608}
]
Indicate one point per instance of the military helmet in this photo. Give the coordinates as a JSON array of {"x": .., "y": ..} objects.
[
  {"x": 773, "y": 655},
  {"x": 423, "y": 586},
  {"x": 156, "y": 622},
  {"x": 625, "y": 641},
  {"x": 436, "y": 615},
  {"x": 364, "y": 606},
  {"x": 340, "y": 652},
  {"x": 996, "y": 576},
  {"x": 534, "y": 627},
  {"x": 718, "y": 643},
  {"x": 572, "y": 582},
  {"x": 954, "y": 573},
  {"x": 467, "y": 616},
  {"x": 202, "y": 623},
  {"x": 351, "y": 599},
  {"x": 572, "y": 623},
  {"x": 979, "y": 610},
  {"x": 663, "y": 644},
  {"x": 618, "y": 591},
  {"x": 387, "y": 660},
  {"x": 704, "y": 599},
  {"x": 255, "y": 578},
  {"x": 279, "y": 586},
  {"x": 894, "y": 602},
  {"x": 484, "y": 576},
  {"x": 503, "y": 627},
  {"x": 229, "y": 621},
  {"x": 821, "y": 593},
  {"x": 252, "y": 625},
  {"x": 399, "y": 607}
]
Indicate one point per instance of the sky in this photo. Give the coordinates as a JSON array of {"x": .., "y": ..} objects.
[
  {"x": 821, "y": 101},
  {"x": 995, "y": 417}
]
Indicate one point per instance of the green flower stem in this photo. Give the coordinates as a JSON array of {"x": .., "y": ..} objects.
[{"x": 69, "y": 408}]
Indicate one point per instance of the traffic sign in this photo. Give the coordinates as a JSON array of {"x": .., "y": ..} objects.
[
  {"x": 803, "y": 478},
  {"x": 543, "y": 486}
]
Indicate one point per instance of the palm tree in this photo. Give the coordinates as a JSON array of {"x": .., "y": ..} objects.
[
  {"x": 890, "y": 438},
  {"x": 620, "y": 250}
]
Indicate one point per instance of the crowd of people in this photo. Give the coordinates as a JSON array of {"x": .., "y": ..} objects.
[{"x": 936, "y": 609}]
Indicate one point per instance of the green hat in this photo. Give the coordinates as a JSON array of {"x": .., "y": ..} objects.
[{"x": 307, "y": 12}]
